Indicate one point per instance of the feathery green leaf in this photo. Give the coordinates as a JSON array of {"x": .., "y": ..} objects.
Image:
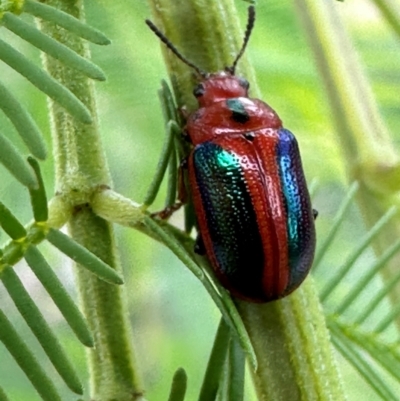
[
  {"x": 52, "y": 47},
  {"x": 363, "y": 244},
  {"x": 178, "y": 386},
  {"x": 23, "y": 123},
  {"x": 26, "y": 360},
  {"x": 172, "y": 130},
  {"x": 387, "y": 355},
  {"x": 337, "y": 221},
  {"x": 59, "y": 295},
  {"x": 236, "y": 371},
  {"x": 44, "y": 82},
  {"x": 83, "y": 257},
  {"x": 15, "y": 163},
  {"x": 368, "y": 309},
  {"x": 391, "y": 316},
  {"x": 170, "y": 114},
  {"x": 363, "y": 365},
  {"x": 38, "y": 196},
  {"x": 216, "y": 363},
  {"x": 367, "y": 275},
  {"x": 66, "y": 21},
  {"x": 40, "y": 328},
  {"x": 10, "y": 224}
]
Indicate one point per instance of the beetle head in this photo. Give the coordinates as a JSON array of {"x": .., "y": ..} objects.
[{"x": 219, "y": 86}]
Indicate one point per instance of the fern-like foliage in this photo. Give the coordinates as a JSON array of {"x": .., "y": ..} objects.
[
  {"x": 364, "y": 344},
  {"x": 24, "y": 239},
  {"x": 24, "y": 124},
  {"x": 23, "y": 244},
  {"x": 359, "y": 339}
]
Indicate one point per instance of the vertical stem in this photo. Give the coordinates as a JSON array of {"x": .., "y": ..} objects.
[
  {"x": 291, "y": 341},
  {"x": 289, "y": 336},
  {"x": 80, "y": 168},
  {"x": 111, "y": 363}
]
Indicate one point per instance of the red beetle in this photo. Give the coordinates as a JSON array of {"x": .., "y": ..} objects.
[{"x": 250, "y": 196}]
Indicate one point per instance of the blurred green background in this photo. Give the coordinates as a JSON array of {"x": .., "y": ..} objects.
[{"x": 173, "y": 319}]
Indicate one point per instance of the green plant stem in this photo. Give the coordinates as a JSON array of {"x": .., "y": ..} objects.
[
  {"x": 290, "y": 337},
  {"x": 291, "y": 341},
  {"x": 368, "y": 150},
  {"x": 81, "y": 169},
  {"x": 112, "y": 366}
]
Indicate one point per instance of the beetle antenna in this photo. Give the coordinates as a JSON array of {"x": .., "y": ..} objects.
[
  {"x": 250, "y": 25},
  {"x": 174, "y": 50}
]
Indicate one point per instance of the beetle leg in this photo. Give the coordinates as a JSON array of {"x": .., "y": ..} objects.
[
  {"x": 168, "y": 211},
  {"x": 315, "y": 214},
  {"x": 185, "y": 136}
]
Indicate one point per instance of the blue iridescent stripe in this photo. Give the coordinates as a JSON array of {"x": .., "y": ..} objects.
[{"x": 291, "y": 177}]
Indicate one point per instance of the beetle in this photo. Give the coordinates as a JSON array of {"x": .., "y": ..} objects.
[{"x": 253, "y": 209}]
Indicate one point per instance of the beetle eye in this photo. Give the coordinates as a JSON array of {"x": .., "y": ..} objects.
[
  {"x": 244, "y": 83},
  {"x": 199, "y": 90}
]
